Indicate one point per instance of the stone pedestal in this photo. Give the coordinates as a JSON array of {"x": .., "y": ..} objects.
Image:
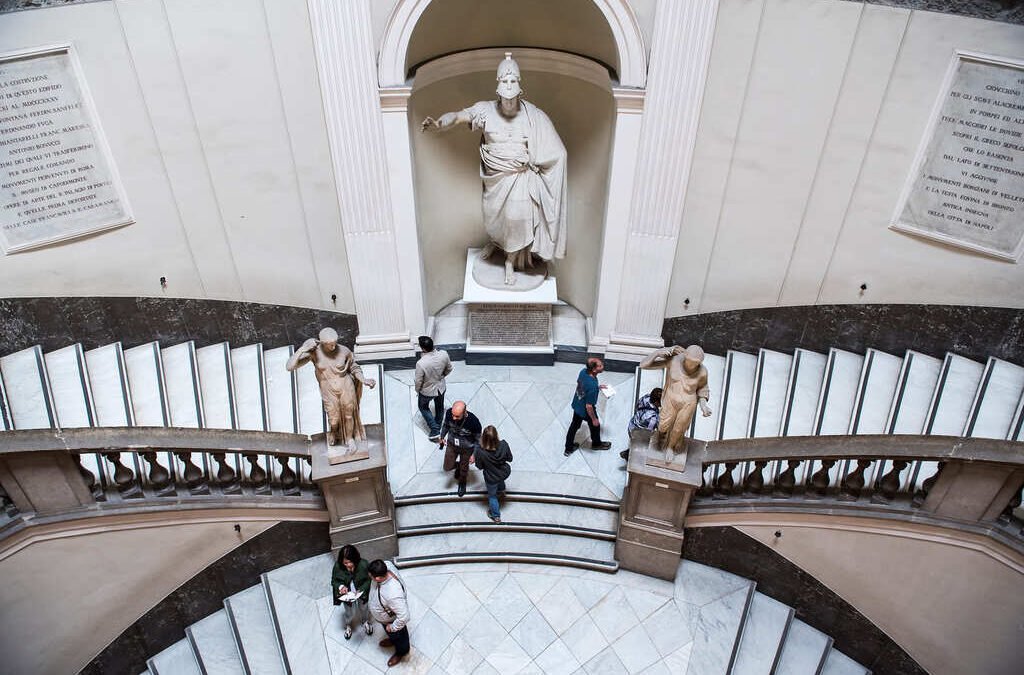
[
  {"x": 650, "y": 538},
  {"x": 359, "y": 499},
  {"x": 508, "y": 326},
  {"x": 43, "y": 482}
]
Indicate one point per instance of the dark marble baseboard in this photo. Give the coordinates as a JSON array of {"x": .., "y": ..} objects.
[
  {"x": 56, "y": 322},
  {"x": 972, "y": 332},
  {"x": 204, "y": 594},
  {"x": 816, "y": 605}
]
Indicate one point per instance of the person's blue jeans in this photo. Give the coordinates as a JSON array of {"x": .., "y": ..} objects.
[
  {"x": 494, "y": 510},
  {"x": 433, "y": 421}
]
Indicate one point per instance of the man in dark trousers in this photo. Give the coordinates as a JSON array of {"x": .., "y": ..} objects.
[
  {"x": 431, "y": 370},
  {"x": 584, "y": 408},
  {"x": 460, "y": 435}
]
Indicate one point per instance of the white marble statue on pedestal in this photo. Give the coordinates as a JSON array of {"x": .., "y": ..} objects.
[{"x": 523, "y": 168}]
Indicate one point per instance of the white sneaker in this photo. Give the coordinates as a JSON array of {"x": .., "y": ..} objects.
[{"x": 368, "y": 627}]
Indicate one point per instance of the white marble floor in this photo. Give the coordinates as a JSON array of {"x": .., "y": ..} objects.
[
  {"x": 529, "y": 406},
  {"x": 525, "y": 619}
]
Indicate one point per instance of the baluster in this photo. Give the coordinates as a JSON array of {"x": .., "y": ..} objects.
[
  {"x": 705, "y": 486},
  {"x": 159, "y": 477},
  {"x": 314, "y": 488},
  {"x": 90, "y": 480},
  {"x": 753, "y": 484},
  {"x": 850, "y": 488},
  {"x": 1007, "y": 514},
  {"x": 124, "y": 477},
  {"x": 787, "y": 479},
  {"x": 821, "y": 479},
  {"x": 724, "y": 483},
  {"x": 226, "y": 477},
  {"x": 889, "y": 485},
  {"x": 194, "y": 478},
  {"x": 257, "y": 476},
  {"x": 289, "y": 482},
  {"x": 926, "y": 487}
]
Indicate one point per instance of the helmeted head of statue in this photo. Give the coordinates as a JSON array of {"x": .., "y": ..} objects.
[{"x": 508, "y": 78}]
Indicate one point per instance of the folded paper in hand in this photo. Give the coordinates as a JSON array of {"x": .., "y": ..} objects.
[{"x": 350, "y": 596}]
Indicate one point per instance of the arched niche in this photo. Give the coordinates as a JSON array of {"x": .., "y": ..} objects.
[
  {"x": 576, "y": 94},
  {"x": 618, "y": 43}
]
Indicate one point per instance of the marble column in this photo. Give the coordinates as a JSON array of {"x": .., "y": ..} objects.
[
  {"x": 629, "y": 109},
  {"x": 347, "y": 70},
  {"x": 680, "y": 53}
]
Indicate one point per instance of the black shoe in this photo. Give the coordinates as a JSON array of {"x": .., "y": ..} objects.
[
  {"x": 624, "y": 454},
  {"x": 601, "y": 446},
  {"x": 569, "y": 451},
  {"x": 462, "y": 489}
]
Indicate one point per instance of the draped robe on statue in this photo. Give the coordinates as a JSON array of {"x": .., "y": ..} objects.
[{"x": 522, "y": 165}]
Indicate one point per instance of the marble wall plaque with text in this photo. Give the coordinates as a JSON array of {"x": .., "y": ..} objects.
[
  {"x": 57, "y": 178},
  {"x": 511, "y": 325},
  {"x": 967, "y": 186}
]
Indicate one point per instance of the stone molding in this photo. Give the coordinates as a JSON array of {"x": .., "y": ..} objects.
[
  {"x": 528, "y": 58},
  {"x": 629, "y": 42}
]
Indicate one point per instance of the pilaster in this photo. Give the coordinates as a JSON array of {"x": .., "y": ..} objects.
[
  {"x": 680, "y": 53},
  {"x": 347, "y": 67}
]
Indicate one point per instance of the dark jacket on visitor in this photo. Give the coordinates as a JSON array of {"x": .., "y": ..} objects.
[
  {"x": 494, "y": 463},
  {"x": 342, "y": 577}
]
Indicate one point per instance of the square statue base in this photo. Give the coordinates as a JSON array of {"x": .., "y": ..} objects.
[
  {"x": 339, "y": 454},
  {"x": 508, "y": 326}
]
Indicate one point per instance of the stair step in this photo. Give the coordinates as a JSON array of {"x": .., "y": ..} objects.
[
  {"x": 30, "y": 405},
  {"x": 804, "y": 650},
  {"x": 1016, "y": 432},
  {"x": 875, "y": 391},
  {"x": 215, "y": 384},
  {"x": 69, "y": 386},
  {"x": 498, "y": 545},
  {"x": 293, "y": 594},
  {"x": 254, "y": 629},
  {"x": 737, "y": 394},
  {"x": 311, "y": 407},
  {"x": 837, "y": 663},
  {"x": 914, "y": 392},
  {"x": 705, "y": 428},
  {"x": 769, "y": 402},
  {"x": 1002, "y": 386},
  {"x": 955, "y": 392},
  {"x": 5, "y": 410},
  {"x": 724, "y": 600},
  {"x": 516, "y": 516},
  {"x": 803, "y": 391},
  {"x": 540, "y": 486},
  {"x": 178, "y": 659},
  {"x": 281, "y": 402},
  {"x": 213, "y": 642},
  {"x": 146, "y": 381},
  {"x": 109, "y": 384},
  {"x": 181, "y": 379},
  {"x": 371, "y": 406},
  {"x": 838, "y": 393},
  {"x": 764, "y": 629},
  {"x": 249, "y": 387}
]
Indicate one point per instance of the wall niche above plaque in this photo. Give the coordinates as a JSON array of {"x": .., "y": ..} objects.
[
  {"x": 57, "y": 176},
  {"x": 967, "y": 184}
]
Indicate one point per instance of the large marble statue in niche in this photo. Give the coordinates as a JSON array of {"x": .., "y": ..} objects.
[
  {"x": 523, "y": 169},
  {"x": 341, "y": 386},
  {"x": 686, "y": 388}
]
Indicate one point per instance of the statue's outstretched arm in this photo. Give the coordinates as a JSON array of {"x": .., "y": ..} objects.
[
  {"x": 659, "y": 358},
  {"x": 445, "y": 121},
  {"x": 302, "y": 355}
]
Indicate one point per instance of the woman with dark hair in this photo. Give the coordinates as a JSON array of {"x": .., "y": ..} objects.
[
  {"x": 350, "y": 582},
  {"x": 492, "y": 457}
]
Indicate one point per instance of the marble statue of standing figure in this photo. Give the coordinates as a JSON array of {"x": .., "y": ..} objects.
[
  {"x": 341, "y": 385},
  {"x": 686, "y": 387},
  {"x": 522, "y": 166}
]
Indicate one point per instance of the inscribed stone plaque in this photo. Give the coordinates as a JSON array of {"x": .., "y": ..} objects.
[
  {"x": 57, "y": 179},
  {"x": 967, "y": 187},
  {"x": 514, "y": 325}
]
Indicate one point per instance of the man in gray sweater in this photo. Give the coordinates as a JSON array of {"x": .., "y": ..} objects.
[{"x": 431, "y": 370}]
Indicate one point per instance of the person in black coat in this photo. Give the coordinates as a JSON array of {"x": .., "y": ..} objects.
[{"x": 492, "y": 457}]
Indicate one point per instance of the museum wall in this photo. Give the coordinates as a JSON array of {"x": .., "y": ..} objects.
[
  {"x": 448, "y": 189},
  {"x": 213, "y": 115},
  {"x": 812, "y": 116}
]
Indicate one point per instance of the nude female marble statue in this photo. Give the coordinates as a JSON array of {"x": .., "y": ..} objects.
[
  {"x": 522, "y": 166},
  {"x": 341, "y": 385},
  {"x": 686, "y": 388}
]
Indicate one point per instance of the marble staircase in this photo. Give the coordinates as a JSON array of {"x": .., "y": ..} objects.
[{"x": 512, "y": 618}]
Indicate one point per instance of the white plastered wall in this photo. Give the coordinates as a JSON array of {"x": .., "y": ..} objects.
[
  {"x": 447, "y": 180},
  {"x": 213, "y": 114},
  {"x": 812, "y": 115}
]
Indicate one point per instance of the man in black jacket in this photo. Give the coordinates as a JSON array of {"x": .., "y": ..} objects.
[{"x": 460, "y": 435}]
